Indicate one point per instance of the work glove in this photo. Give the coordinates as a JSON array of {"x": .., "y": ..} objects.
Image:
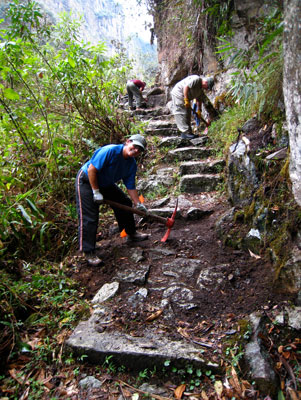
[
  {"x": 186, "y": 102},
  {"x": 97, "y": 196},
  {"x": 199, "y": 114},
  {"x": 141, "y": 207}
]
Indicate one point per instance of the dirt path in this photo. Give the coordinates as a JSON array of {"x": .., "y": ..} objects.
[{"x": 223, "y": 285}]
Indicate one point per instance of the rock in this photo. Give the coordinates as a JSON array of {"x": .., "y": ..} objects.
[
  {"x": 136, "y": 255},
  {"x": 198, "y": 183},
  {"x": 137, "y": 276},
  {"x": 259, "y": 361},
  {"x": 252, "y": 241},
  {"x": 194, "y": 214},
  {"x": 90, "y": 383},
  {"x": 107, "y": 291},
  {"x": 241, "y": 171},
  {"x": 289, "y": 277},
  {"x": 293, "y": 317}
]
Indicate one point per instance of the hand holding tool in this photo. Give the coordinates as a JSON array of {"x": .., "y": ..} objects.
[
  {"x": 186, "y": 102},
  {"x": 169, "y": 222},
  {"x": 97, "y": 196}
]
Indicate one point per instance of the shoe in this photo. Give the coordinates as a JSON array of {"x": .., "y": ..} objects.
[
  {"x": 189, "y": 136},
  {"x": 92, "y": 259},
  {"x": 137, "y": 237}
]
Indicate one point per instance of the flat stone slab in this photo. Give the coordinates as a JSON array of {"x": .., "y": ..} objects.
[
  {"x": 189, "y": 153},
  {"x": 134, "y": 352},
  {"x": 197, "y": 167},
  {"x": 161, "y": 124},
  {"x": 199, "y": 183},
  {"x": 177, "y": 141}
]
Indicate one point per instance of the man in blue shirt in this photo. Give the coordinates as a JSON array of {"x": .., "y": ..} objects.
[{"x": 96, "y": 181}]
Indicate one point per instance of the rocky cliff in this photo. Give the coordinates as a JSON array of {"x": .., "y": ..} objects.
[{"x": 187, "y": 43}]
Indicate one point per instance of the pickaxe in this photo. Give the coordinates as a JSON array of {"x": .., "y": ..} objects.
[{"x": 169, "y": 222}]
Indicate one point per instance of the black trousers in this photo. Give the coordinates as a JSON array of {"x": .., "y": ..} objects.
[{"x": 88, "y": 211}]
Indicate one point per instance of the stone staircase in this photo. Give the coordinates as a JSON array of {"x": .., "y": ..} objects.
[
  {"x": 199, "y": 174},
  {"x": 190, "y": 159}
]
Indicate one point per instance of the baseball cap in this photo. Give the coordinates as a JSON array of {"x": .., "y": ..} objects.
[
  {"x": 138, "y": 140},
  {"x": 210, "y": 82}
]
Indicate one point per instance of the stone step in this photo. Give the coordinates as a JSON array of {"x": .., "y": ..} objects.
[
  {"x": 161, "y": 132},
  {"x": 201, "y": 167},
  {"x": 177, "y": 141},
  {"x": 148, "y": 113},
  {"x": 198, "y": 183},
  {"x": 133, "y": 352},
  {"x": 161, "y": 124},
  {"x": 164, "y": 177},
  {"x": 188, "y": 153}
]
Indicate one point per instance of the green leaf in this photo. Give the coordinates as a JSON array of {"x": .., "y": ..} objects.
[
  {"x": 24, "y": 213},
  {"x": 33, "y": 207},
  {"x": 71, "y": 62},
  {"x": 11, "y": 94},
  {"x": 280, "y": 395}
]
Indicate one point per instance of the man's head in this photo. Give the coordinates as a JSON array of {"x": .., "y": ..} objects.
[
  {"x": 138, "y": 140},
  {"x": 134, "y": 145},
  {"x": 208, "y": 83}
]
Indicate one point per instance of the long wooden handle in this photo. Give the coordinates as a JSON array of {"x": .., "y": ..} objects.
[{"x": 135, "y": 211}]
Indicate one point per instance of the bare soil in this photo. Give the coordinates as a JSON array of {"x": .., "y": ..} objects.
[{"x": 247, "y": 283}]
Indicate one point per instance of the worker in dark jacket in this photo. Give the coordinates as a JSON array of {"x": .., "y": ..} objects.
[
  {"x": 96, "y": 181},
  {"x": 134, "y": 89}
]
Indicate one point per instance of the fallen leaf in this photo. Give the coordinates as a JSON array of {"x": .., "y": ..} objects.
[
  {"x": 154, "y": 316},
  {"x": 235, "y": 381},
  {"x": 183, "y": 333},
  {"x": 246, "y": 384},
  {"x": 135, "y": 396},
  {"x": 280, "y": 349},
  {"x": 204, "y": 396},
  {"x": 293, "y": 394},
  {"x": 13, "y": 373},
  {"x": 286, "y": 354},
  {"x": 141, "y": 198},
  {"x": 25, "y": 394},
  {"x": 218, "y": 386},
  {"x": 179, "y": 391},
  {"x": 254, "y": 255}
]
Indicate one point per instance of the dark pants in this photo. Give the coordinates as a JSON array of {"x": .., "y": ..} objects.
[{"x": 88, "y": 211}]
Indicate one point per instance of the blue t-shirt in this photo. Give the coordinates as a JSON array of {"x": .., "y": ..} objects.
[{"x": 112, "y": 166}]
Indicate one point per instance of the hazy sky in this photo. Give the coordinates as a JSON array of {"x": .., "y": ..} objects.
[{"x": 136, "y": 16}]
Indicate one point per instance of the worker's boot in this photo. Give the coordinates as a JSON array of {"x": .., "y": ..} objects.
[
  {"x": 137, "y": 237},
  {"x": 92, "y": 259},
  {"x": 188, "y": 136}
]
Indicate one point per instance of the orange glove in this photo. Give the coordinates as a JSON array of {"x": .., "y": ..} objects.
[{"x": 186, "y": 102}]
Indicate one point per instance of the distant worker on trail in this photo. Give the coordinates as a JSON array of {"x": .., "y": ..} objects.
[
  {"x": 134, "y": 89},
  {"x": 96, "y": 182},
  {"x": 188, "y": 89}
]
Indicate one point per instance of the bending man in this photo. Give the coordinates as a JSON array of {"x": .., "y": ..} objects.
[
  {"x": 134, "y": 89},
  {"x": 96, "y": 181},
  {"x": 182, "y": 94}
]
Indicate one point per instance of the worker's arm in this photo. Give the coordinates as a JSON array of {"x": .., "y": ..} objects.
[
  {"x": 92, "y": 175},
  {"x": 135, "y": 198},
  {"x": 185, "y": 91},
  {"x": 186, "y": 100},
  {"x": 133, "y": 193}
]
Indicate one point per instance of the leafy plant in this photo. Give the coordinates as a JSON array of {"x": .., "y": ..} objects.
[
  {"x": 58, "y": 101},
  {"x": 259, "y": 67}
]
